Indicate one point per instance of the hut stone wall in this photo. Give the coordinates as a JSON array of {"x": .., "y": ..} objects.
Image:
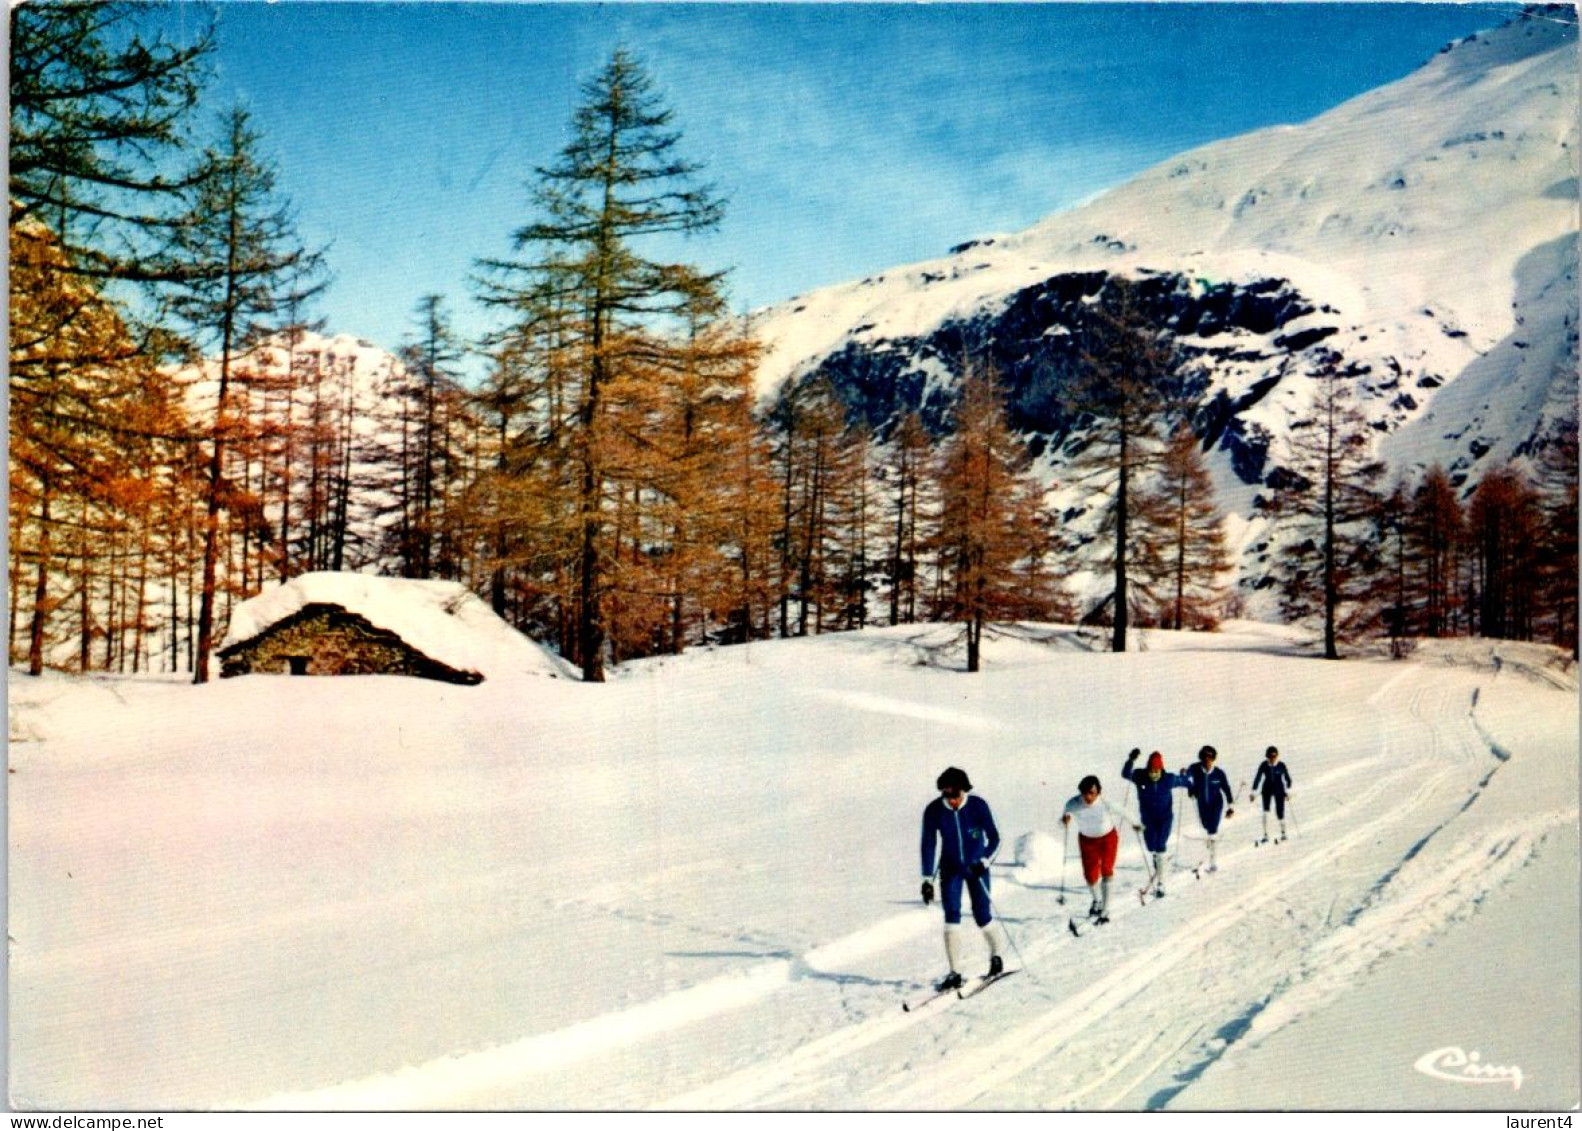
[{"x": 328, "y": 640}]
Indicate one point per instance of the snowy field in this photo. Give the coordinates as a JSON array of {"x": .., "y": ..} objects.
[{"x": 695, "y": 887}]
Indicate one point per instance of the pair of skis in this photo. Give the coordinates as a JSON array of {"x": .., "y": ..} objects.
[
  {"x": 1099, "y": 921},
  {"x": 962, "y": 993}
]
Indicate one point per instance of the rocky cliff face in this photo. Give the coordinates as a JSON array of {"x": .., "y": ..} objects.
[
  {"x": 1425, "y": 234},
  {"x": 1032, "y": 341}
]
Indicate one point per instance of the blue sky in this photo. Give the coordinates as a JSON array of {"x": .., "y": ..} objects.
[{"x": 848, "y": 138}]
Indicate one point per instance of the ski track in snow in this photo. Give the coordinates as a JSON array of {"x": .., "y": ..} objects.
[
  {"x": 1381, "y": 858},
  {"x": 1393, "y": 786}
]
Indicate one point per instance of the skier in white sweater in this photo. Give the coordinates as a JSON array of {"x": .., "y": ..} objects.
[{"x": 1098, "y": 840}]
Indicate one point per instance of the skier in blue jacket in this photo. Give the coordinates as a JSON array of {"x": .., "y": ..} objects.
[
  {"x": 1156, "y": 805},
  {"x": 1208, "y": 784},
  {"x": 962, "y": 828},
  {"x": 1273, "y": 779}
]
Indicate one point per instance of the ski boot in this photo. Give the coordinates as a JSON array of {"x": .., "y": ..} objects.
[
  {"x": 996, "y": 966},
  {"x": 951, "y": 981}
]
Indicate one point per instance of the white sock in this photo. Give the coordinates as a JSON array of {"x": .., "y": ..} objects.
[
  {"x": 995, "y": 934},
  {"x": 953, "y": 946}
]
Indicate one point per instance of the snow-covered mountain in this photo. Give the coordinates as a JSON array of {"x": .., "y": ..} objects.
[
  {"x": 1426, "y": 232},
  {"x": 316, "y": 401}
]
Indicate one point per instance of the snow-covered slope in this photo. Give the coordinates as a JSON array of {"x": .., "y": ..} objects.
[
  {"x": 695, "y": 887},
  {"x": 1425, "y": 231}
]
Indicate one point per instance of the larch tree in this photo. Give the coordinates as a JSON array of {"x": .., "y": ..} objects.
[
  {"x": 1504, "y": 527},
  {"x": 98, "y": 109},
  {"x": 1326, "y": 498},
  {"x": 89, "y": 423},
  {"x": 243, "y": 265},
  {"x": 97, "y": 116},
  {"x": 987, "y": 517},
  {"x": 1392, "y": 520},
  {"x": 815, "y": 463},
  {"x": 1557, "y": 485},
  {"x": 618, "y": 183},
  {"x": 430, "y": 395},
  {"x": 1433, "y": 531},
  {"x": 905, "y": 474},
  {"x": 702, "y": 438},
  {"x": 1122, "y": 398},
  {"x": 1193, "y": 534}
]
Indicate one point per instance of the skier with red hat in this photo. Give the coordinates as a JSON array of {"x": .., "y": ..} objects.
[{"x": 1156, "y": 805}]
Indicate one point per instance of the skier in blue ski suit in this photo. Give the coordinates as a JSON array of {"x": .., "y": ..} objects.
[
  {"x": 962, "y": 828},
  {"x": 1274, "y": 779},
  {"x": 1209, "y": 786},
  {"x": 1156, "y": 804}
]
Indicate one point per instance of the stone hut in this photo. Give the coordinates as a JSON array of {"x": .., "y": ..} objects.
[{"x": 356, "y": 624}]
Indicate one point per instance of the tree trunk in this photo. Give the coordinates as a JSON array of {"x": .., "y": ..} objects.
[
  {"x": 1122, "y": 611},
  {"x": 35, "y": 647}
]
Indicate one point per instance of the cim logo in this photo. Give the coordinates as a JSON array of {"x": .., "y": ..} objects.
[{"x": 1451, "y": 1063}]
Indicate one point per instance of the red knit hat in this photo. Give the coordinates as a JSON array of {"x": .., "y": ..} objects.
[{"x": 1156, "y": 761}]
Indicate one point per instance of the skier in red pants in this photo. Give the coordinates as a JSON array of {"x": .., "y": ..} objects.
[{"x": 1098, "y": 839}]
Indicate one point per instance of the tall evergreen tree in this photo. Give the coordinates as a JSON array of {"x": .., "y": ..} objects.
[
  {"x": 1326, "y": 497},
  {"x": 89, "y": 426},
  {"x": 430, "y": 394},
  {"x": 1557, "y": 480},
  {"x": 905, "y": 473},
  {"x": 1504, "y": 521},
  {"x": 1193, "y": 537},
  {"x": 987, "y": 516},
  {"x": 97, "y": 110},
  {"x": 244, "y": 265},
  {"x": 815, "y": 463},
  {"x": 618, "y": 182},
  {"x": 1122, "y": 398},
  {"x": 1433, "y": 546}
]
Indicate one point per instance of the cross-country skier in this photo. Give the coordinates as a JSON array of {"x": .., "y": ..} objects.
[
  {"x": 1156, "y": 805},
  {"x": 963, "y": 829},
  {"x": 1209, "y": 786},
  {"x": 1098, "y": 839},
  {"x": 1275, "y": 779}
]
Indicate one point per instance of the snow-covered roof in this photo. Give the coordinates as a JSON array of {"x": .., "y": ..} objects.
[{"x": 443, "y": 620}]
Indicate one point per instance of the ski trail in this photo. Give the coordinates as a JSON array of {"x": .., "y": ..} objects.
[
  {"x": 1173, "y": 1040},
  {"x": 460, "y": 1079},
  {"x": 1425, "y": 896},
  {"x": 448, "y": 1082},
  {"x": 755, "y": 1086},
  {"x": 970, "y": 1075},
  {"x": 808, "y": 1066}
]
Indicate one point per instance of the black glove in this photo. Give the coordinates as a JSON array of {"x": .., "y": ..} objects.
[
  {"x": 978, "y": 870},
  {"x": 928, "y": 893},
  {"x": 1134, "y": 755}
]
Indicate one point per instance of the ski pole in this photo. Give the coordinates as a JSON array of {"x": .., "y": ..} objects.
[
  {"x": 1175, "y": 830},
  {"x": 988, "y": 899},
  {"x": 1065, "y": 858},
  {"x": 1147, "y": 859}
]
